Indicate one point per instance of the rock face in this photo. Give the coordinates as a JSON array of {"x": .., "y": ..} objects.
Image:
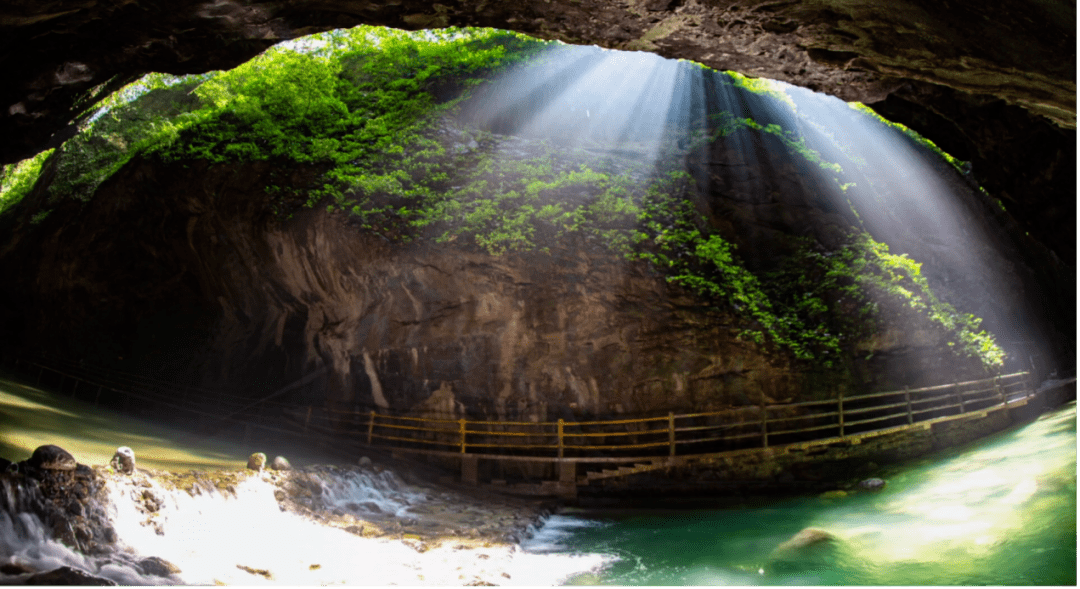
[
  {"x": 443, "y": 329},
  {"x": 993, "y": 82},
  {"x": 70, "y": 502}
]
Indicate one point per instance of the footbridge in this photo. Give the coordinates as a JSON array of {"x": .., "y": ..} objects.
[{"x": 582, "y": 452}]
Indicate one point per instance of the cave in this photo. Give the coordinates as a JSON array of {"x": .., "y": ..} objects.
[{"x": 787, "y": 212}]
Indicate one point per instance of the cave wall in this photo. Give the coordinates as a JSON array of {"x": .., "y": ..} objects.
[
  {"x": 206, "y": 286},
  {"x": 992, "y": 82}
]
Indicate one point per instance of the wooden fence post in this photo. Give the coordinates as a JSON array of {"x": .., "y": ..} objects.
[
  {"x": 907, "y": 399},
  {"x": 97, "y": 396},
  {"x": 75, "y": 388},
  {"x": 461, "y": 429},
  {"x": 840, "y": 411},
  {"x": 307, "y": 421},
  {"x": 999, "y": 389},
  {"x": 560, "y": 436},
  {"x": 959, "y": 397},
  {"x": 41, "y": 370},
  {"x": 764, "y": 423},
  {"x": 671, "y": 431},
  {"x": 370, "y": 426}
]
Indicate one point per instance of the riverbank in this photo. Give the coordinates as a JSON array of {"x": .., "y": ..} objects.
[{"x": 317, "y": 525}]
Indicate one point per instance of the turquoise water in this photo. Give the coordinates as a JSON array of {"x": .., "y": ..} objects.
[{"x": 1001, "y": 512}]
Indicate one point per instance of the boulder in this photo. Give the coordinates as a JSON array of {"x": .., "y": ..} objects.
[
  {"x": 158, "y": 567},
  {"x": 280, "y": 463},
  {"x": 50, "y": 457},
  {"x": 123, "y": 460},
  {"x": 257, "y": 461},
  {"x": 67, "y": 576},
  {"x": 364, "y": 461},
  {"x": 872, "y": 484},
  {"x": 806, "y": 538}
]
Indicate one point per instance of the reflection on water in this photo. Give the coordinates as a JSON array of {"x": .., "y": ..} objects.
[{"x": 1001, "y": 511}]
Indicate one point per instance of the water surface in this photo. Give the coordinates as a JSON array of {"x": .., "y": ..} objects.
[{"x": 1001, "y": 511}]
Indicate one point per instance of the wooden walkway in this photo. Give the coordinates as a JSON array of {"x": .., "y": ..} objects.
[
  {"x": 623, "y": 447},
  {"x": 583, "y": 452}
]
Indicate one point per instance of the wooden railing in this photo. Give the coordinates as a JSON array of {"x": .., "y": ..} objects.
[
  {"x": 664, "y": 435},
  {"x": 692, "y": 433}
]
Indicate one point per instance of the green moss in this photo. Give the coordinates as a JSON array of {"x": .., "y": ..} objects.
[
  {"x": 910, "y": 133},
  {"x": 761, "y": 86},
  {"x": 17, "y": 180}
]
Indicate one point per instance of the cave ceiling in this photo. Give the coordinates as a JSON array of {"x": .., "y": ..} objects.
[{"x": 991, "y": 81}]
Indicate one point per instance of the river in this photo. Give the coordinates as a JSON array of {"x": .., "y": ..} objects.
[{"x": 1001, "y": 511}]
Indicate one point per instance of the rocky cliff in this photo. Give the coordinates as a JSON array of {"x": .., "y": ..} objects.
[{"x": 185, "y": 269}]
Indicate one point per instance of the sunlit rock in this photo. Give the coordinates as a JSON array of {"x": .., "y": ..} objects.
[
  {"x": 124, "y": 460},
  {"x": 279, "y": 463},
  {"x": 50, "y": 457},
  {"x": 806, "y": 538},
  {"x": 872, "y": 484},
  {"x": 365, "y": 461},
  {"x": 256, "y": 461},
  {"x": 157, "y": 566}
]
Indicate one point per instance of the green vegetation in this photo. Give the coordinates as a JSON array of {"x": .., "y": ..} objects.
[
  {"x": 761, "y": 86},
  {"x": 913, "y": 135},
  {"x": 17, "y": 180},
  {"x": 372, "y": 112}
]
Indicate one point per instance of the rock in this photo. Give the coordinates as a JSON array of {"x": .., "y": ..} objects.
[
  {"x": 872, "y": 484},
  {"x": 123, "y": 460},
  {"x": 158, "y": 567},
  {"x": 280, "y": 463},
  {"x": 67, "y": 576},
  {"x": 15, "y": 568},
  {"x": 804, "y": 539},
  {"x": 50, "y": 457},
  {"x": 365, "y": 461},
  {"x": 257, "y": 461}
]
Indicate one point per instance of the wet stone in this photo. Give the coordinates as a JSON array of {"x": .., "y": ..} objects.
[
  {"x": 50, "y": 457},
  {"x": 67, "y": 576},
  {"x": 872, "y": 484},
  {"x": 280, "y": 463},
  {"x": 15, "y": 568},
  {"x": 256, "y": 461},
  {"x": 158, "y": 567},
  {"x": 123, "y": 460}
]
